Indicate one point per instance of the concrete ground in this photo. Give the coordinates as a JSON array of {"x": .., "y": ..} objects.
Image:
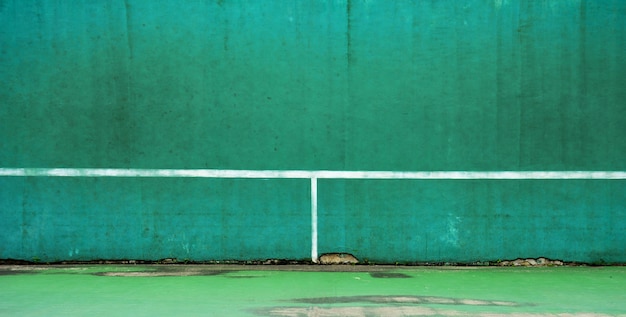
[{"x": 311, "y": 290}]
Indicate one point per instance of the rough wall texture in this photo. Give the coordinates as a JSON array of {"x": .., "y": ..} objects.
[{"x": 339, "y": 85}]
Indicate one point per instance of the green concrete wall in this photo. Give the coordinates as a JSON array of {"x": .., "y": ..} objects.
[
  {"x": 474, "y": 220},
  {"x": 51, "y": 219},
  {"x": 484, "y": 85}
]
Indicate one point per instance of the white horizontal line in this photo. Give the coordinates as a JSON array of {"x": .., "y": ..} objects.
[{"x": 302, "y": 174}]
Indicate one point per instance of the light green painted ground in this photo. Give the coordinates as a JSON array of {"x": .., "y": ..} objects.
[{"x": 307, "y": 291}]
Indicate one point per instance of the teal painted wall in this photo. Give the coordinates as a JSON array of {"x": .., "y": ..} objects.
[
  {"x": 338, "y": 85},
  {"x": 53, "y": 219},
  {"x": 474, "y": 220}
]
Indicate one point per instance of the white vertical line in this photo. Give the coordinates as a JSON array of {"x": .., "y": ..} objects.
[{"x": 314, "y": 219}]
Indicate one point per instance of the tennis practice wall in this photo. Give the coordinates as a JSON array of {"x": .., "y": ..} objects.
[{"x": 341, "y": 85}]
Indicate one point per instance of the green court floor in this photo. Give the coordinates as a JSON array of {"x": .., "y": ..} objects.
[{"x": 311, "y": 290}]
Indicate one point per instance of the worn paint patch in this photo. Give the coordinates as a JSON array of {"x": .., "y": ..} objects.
[
  {"x": 388, "y": 275},
  {"x": 20, "y": 269},
  {"x": 499, "y": 3},
  {"x": 404, "y": 299},
  {"x": 452, "y": 235},
  {"x": 162, "y": 271},
  {"x": 15, "y": 272},
  {"x": 243, "y": 276},
  {"x": 397, "y": 311}
]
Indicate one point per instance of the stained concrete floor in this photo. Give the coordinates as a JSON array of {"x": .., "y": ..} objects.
[{"x": 311, "y": 290}]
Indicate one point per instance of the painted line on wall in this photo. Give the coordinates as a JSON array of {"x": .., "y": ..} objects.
[
  {"x": 313, "y": 176},
  {"x": 314, "y": 256},
  {"x": 302, "y": 174}
]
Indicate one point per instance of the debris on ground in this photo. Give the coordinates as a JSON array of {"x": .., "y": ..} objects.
[
  {"x": 531, "y": 262},
  {"x": 338, "y": 258}
]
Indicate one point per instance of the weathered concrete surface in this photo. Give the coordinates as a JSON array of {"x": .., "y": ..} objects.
[{"x": 313, "y": 85}]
